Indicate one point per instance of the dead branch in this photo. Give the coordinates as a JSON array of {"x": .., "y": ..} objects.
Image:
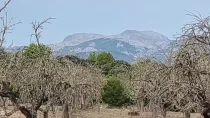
[
  {"x": 5, "y": 5},
  {"x": 7, "y": 26},
  {"x": 37, "y": 26}
]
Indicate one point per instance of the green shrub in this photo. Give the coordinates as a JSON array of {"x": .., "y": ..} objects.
[
  {"x": 36, "y": 51},
  {"x": 114, "y": 94},
  {"x": 104, "y": 58},
  {"x": 92, "y": 57}
]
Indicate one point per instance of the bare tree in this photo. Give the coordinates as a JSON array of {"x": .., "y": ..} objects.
[
  {"x": 5, "y": 5},
  {"x": 154, "y": 82},
  {"x": 191, "y": 66},
  {"x": 6, "y": 25},
  {"x": 29, "y": 87},
  {"x": 82, "y": 89},
  {"x": 31, "y": 83}
]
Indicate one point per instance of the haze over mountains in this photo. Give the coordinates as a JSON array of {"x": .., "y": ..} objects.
[{"x": 127, "y": 45}]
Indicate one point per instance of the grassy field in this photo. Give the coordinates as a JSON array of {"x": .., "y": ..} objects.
[{"x": 108, "y": 113}]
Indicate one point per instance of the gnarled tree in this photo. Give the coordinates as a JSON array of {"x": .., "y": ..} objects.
[
  {"x": 154, "y": 85},
  {"x": 191, "y": 66}
]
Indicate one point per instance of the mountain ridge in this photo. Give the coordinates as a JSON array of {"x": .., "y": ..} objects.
[
  {"x": 127, "y": 45},
  {"x": 144, "y": 43}
]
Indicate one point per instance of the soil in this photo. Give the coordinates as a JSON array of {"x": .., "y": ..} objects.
[{"x": 106, "y": 113}]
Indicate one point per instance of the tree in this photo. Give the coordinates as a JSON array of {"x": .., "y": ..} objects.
[
  {"x": 92, "y": 57},
  {"x": 104, "y": 58},
  {"x": 116, "y": 67},
  {"x": 34, "y": 51},
  {"x": 119, "y": 67},
  {"x": 152, "y": 81},
  {"x": 114, "y": 94},
  {"x": 85, "y": 83},
  {"x": 191, "y": 66},
  {"x": 28, "y": 81},
  {"x": 55, "y": 82},
  {"x": 79, "y": 61},
  {"x": 35, "y": 78},
  {"x": 7, "y": 25}
]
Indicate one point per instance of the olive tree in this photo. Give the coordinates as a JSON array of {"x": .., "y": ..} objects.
[
  {"x": 82, "y": 85},
  {"x": 153, "y": 83},
  {"x": 31, "y": 83},
  {"x": 191, "y": 66}
]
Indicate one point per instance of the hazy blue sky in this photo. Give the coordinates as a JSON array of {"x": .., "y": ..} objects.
[{"x": 100, "y": 16}]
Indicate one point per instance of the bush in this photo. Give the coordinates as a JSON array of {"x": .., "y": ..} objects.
[
  {"x": 92, "y": 57},
  {"x": 34, "y": 51},
  {"x": 104, "y": 58},
  {"x": 114, "y": 93}
]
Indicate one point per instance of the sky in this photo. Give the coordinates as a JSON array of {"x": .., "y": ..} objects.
[{"x": 99, "y": 16}]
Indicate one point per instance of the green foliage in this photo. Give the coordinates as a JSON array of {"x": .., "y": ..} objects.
[
  {"x": 34, "y": 51},
  {"x": 104, "y": 58},
  {"x": 110, "y": 67},
  {"x": 119, "y": 67},
  {"x": 106, "y": 68},
  {"x": 114, "y": 93},
  {"x": 77, "y": 60},
  {"x": 116, "y": 67},
  {"x": 92, "y": 57}
]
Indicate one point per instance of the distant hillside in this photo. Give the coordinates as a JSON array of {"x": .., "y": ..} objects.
[{"x": 127, "y": 45}]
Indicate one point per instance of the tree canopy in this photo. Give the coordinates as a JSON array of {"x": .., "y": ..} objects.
[
  {"x": 36, "y": 51},
  {"x": 101, "y": 58}
]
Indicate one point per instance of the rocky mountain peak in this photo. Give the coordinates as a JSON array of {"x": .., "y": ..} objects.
[
  {"x": 130, "y": 32},
  {"x": 126, "y": 46},
  {"x": 82, "y": 36}
]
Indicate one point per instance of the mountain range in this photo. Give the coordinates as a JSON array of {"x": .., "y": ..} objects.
[{"x": 127, "y": 46}]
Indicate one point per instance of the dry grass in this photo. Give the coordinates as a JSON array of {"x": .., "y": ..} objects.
[{"x": 108, "y": 113}]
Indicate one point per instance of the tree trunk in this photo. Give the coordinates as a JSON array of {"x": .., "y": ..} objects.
[
  {"x": 45, "y": 115},
  {"x": 186, "y": 114},
  {"x": 163, "y": 112},
  {"x": 206, "y": 113},
  {"x": 155, "y": 112},
  {"x": 142, "y": 105},
  {"x": 30, "y": 116},
  {"x": 27, "y": 113},
  {"x": 65, "y": 111}
]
